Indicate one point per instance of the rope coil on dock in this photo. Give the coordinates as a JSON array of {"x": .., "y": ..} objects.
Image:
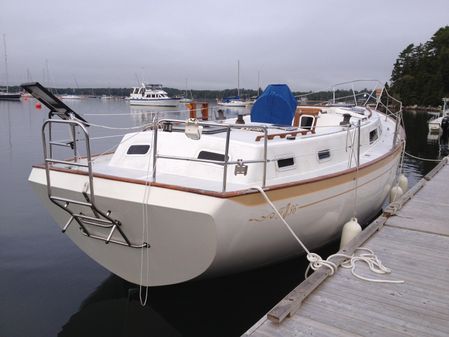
[{"x": 316, "y": 261}]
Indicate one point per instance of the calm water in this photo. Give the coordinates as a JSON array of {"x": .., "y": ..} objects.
[{"x": 48, "y": 287}]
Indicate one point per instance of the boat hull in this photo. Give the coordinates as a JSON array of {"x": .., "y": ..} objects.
[
  {"x": 195, "y": 235},
  {"x": 435, "y": 125},
  {"x": 10, "y": 96},
  {"x": 233, "y": 104}
]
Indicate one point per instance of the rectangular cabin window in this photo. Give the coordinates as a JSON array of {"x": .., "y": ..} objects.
[
  {"x": 138, "y": 149},
  {"x": 373, "y": 136},
  {"x": 285, "y": 162},
  {"x": 211, "y": 156},
  {"x": 323, "y": 155}
]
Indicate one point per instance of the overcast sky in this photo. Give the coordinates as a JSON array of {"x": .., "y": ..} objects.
[{"x": 307, "y": 44}]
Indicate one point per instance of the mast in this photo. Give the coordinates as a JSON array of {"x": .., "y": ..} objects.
[
  {"x": 238, "y": 78},
  {"x": 6, "y": 63}
]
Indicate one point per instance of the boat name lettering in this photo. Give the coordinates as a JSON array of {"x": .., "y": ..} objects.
[{"x": 285, "y": 211}]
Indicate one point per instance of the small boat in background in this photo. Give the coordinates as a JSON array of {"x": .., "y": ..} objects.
[
  {"x": 234, "y": 101},
  {"x": 151, "y": 94},
  {"x": 5, "y": 95},
  {"x": 438, "y": 124},
  {"x": 185, "y": 98},
  {"x": 71, "y": 96}
]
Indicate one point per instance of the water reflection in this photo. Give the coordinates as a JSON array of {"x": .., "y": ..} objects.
[
  {"x": 146, "y": 114},
  {"x": 9, "y": 130},
  {"x": 444, "y": 147},
  {"x": 226, "y": 306},
  {"x": 233, "y": 111},
  {"x": 114, "y": 310}
]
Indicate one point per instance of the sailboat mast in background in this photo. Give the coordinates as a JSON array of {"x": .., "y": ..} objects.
[{"x": 4, "y": 92}]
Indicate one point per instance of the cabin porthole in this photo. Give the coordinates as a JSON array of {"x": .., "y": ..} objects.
[
  {"x": 286, "y": 163},
  {"x": 324, "y": 155},
  {"x": 213, "y": 156}
]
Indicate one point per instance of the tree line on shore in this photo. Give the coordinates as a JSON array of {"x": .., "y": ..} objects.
[
  {"x": 420, "y": 75},
  {"x": 309, "y": 96}
]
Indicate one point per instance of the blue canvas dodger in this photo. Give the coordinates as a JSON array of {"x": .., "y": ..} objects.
[{"x": 276, "y": 105}]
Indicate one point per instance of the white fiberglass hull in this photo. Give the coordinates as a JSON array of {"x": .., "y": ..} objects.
[
  {"x": 154, "y": 102},
  {"x": 197, "y": 235},
  {"x": 235, "y": 104}
]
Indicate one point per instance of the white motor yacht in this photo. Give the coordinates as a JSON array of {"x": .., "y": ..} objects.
[{"x": 152, "y": 95}]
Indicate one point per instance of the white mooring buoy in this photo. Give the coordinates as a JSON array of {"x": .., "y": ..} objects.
[
  {"x": 350, "y": 230},
  {"x": 403, "y": 183},
  {"x": 395, "y": 193}
]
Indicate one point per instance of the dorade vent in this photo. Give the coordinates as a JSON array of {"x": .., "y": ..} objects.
[
  {"x": 211, "y": 156},
  {"x": 324, "y": 154},
  {"x": 138, "y": 149},
  {"x": 373, "y": 136},
  {"x": 286, "y": 162}
]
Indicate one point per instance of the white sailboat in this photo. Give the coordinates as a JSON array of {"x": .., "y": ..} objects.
[
  {"x": 234, "y": 101},
  {"x": 5, "y": 94},
  {"x": 188, "y": 97},
  {"x": 182, "y": 199},
  {"x": 72, "y": 96}
]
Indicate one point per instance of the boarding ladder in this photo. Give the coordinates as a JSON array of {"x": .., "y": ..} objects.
[{"x": 92, "y": 221}]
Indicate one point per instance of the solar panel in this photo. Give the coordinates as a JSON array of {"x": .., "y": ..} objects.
[{"x": 46, "y": 97}]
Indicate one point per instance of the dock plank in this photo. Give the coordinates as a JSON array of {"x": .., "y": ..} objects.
[
  {"x": 392, "y": 318},
  {"x": 411, "y": 238},
  {"x": 407, "y": 296}
]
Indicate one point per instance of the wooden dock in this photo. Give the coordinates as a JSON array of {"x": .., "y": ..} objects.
[{"x": 412, "y": 238}]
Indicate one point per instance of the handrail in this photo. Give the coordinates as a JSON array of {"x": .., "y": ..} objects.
[
  {"x": 82, "y": 219},
  {"x": 226, "y": 162},
  {"x": 376, "y": 94},
  {"x": 73, "y": 123}
]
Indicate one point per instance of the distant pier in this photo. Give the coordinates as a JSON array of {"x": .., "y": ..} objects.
[{"x": 412, "y": 238}]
